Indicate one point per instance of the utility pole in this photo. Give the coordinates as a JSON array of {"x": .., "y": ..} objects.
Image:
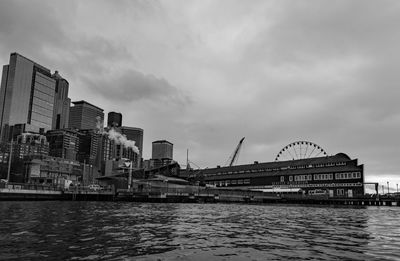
[
  {"x": 397, "y": 185},
  {"x": 388, "y": 186},
  {"x": 383, "y": 190},
  {"x": 130, "y": 175},
  {"x": 9, "y": 161}
]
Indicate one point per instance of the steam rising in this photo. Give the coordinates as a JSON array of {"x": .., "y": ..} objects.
[{"x": 121, "y": 139}]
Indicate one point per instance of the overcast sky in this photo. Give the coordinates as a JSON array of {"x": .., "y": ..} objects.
[{"x": 203, "y": 74}]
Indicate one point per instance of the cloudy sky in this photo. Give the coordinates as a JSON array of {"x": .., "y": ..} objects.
[{"x": 203, "y": 74}]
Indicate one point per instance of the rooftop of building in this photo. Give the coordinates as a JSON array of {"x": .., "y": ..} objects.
[
  {"x": 310, "y": 166},
  {"x": 61, "y": 131},
  {"x": 57, "y": 76},
  {"x": 38, "y": 65},
  {"x": 131, "y": 128},
  {"x": 299, "y": 163},
  {"x": 162, "y": 141},
  {"x": 82, "y": 102}
]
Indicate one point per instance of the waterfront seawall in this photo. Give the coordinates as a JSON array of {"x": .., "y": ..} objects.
[{"x": 181, "y": 193}]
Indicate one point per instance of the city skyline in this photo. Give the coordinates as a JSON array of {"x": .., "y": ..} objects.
[{"x": 203, "y": 74}]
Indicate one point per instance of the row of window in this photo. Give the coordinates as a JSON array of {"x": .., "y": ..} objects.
[
  {"x": 309, "y": 177},
  {"x": 323, "y": 176},
  {"x": 348, "y": 175},
  {"x": 281, "y": 168},
  {"x": 229, "y": 182}
]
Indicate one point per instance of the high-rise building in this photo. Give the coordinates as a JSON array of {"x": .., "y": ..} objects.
[
  {"x": 114, "y": 119},
  {"x": 63, "y": 143},
  {"x": 162, "y": 149},
  {"x": 61, "y": 103},
  {"x": 89, "y": 147},
  {"x": 135, "y": 134},
  {"x": 26, "y": 96},
  {"x": 85, "y": 116}
]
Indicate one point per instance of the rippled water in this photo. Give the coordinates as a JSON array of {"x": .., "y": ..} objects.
[{"x": 141, "y": 231}]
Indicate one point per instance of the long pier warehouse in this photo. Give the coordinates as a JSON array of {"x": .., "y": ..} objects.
[{"x": 337, "y": 175}]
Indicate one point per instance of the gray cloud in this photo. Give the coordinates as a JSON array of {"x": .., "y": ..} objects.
[
  {"x": 273, "y": 71},
  {"x": 131, "y": 86}
]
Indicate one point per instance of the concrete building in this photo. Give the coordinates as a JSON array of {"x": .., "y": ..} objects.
[
  {"x": 162, "y": 149},
  {"x": 53, "y": 171},
  {"x": 114, "y": 119},
  {"x": 61, "y": 103},
  {"x": 162, "y": 154},
  {"x": 85, "y": 116},
  {"x": 29, "y": 145},
  {"x": 63, "y": 143},
  {"x": 337, "y": 176},
  {"x": 26, "y": 97}
]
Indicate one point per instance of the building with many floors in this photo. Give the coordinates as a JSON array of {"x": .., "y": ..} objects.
[
  {"x": 61, "y": 103},
  {"x": 85, "y": 116},
  {"x": 26, "y": 97}
]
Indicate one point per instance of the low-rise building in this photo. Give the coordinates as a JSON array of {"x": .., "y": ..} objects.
[{"x": 338, "y": 175}]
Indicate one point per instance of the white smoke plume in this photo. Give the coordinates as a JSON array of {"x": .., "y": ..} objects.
[{"x": 121, "y": 139}]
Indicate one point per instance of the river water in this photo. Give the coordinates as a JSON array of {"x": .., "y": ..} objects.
[{"x": 145, "y": 231}]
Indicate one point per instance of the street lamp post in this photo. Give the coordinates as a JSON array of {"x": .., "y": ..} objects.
[
  {"x": 388, "y": 186},
  {"x": 397, "y": 185},
  {"x": 383, "y": 190}
]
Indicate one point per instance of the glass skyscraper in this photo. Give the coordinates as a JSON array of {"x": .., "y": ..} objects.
[
  {"x": 61, "y": 103},
  {"x": 26, "y": 97}
]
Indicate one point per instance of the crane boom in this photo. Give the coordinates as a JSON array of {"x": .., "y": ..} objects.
[{"x": 236, "y": 152}]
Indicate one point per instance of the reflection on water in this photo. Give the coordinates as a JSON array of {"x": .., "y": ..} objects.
[{"x": 141, "y": 231}]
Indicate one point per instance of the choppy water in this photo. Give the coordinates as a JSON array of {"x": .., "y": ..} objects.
[{"x": 140, "y": 231}]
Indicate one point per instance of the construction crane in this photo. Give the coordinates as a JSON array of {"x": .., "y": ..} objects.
[{"x": 233, "y": 158}]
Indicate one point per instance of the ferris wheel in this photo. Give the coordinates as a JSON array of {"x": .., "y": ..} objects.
[{"x": 300, "y": 150}]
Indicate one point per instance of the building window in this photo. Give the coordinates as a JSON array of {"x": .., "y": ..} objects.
[
  {"x": 282, "y": 178},
  {"x": 290, "y": 178}
]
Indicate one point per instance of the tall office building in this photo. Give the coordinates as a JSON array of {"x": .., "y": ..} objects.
[
  {"x": 114, "y": 119},
  {"x": 135, "y": 134},
  {"x": 162, "y": 149},
  {"x": 26, "y": 97},
  {"x": 61, "y": 103},
  {"x": 85, "y": 116}
]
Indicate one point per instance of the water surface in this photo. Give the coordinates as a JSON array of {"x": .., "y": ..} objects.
[{"x": 144, "y": 231}]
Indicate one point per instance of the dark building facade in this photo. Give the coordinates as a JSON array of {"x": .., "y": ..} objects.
[
  {"x": 85, "y": 116},
  {"x": 63, "y": 143},
  {"x": 26, "y": 96},
  {"x": 338, "y": 175},
  {"x": 61, "y": 103},
  {"x": 135, "y": 134},
  {"x": 89, "y": 147},
  {"x": 114, "y": 119}
]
